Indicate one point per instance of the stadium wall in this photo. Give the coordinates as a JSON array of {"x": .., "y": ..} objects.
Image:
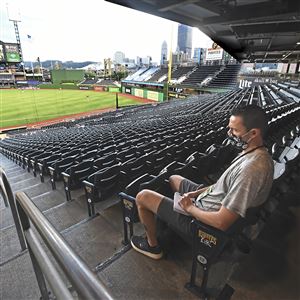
[
  {"x": 61, "y": 76},
  {"x": 143, "y": 93}
]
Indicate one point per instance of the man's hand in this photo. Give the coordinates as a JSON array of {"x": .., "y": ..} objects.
[{"x": 187, "y": 201}]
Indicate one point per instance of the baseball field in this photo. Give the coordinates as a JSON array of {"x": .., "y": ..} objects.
[{"x": 20, "y": 107}]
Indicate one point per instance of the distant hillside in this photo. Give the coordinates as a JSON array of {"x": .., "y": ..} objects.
[{"x": 66, "y": 64}]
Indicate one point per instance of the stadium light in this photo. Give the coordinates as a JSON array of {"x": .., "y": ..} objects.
[{"x": 13, "y": 13}]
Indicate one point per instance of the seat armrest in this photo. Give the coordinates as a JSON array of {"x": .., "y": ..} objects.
[
  {"x": 134, "y": 187},
  {"x": 87, "y": 184},
  {"x": 64, "y": 174},
  {"x": 155, "y": 182}
]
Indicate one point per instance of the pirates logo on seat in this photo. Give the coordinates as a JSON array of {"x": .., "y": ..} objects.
[
  {"x": 128, "y": 204},
  {"x": 207, "y": 239},
  {"x": 88, "y": 189}
]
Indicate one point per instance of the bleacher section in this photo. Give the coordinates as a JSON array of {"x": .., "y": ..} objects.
[
  {"x": 89, "y": 81},
  {"x": 146, "y": 75},
  {"x": 73, "y": 174},
  {"x": 216, "y": 76},
  {"x": 227, "y": 78},
  {"x": 134, "y": 76},
  {"x": 200, "y": 74},
  {"x": 161, "y": 72},
  {"x": 106, "y": 82},
  {"x": 7, "y": 79}
]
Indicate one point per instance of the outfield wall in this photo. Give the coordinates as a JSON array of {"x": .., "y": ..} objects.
[
  {"x": 143, "y": 93},
  {"x": 60, "y": 76}
]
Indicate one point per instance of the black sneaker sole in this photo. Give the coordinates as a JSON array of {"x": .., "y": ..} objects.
[{"x": 149, "y": 254}]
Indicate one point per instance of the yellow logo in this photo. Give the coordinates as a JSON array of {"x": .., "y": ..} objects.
[
  {"x": 207, "y": 239},
  {"x": 128, "y": 204}
]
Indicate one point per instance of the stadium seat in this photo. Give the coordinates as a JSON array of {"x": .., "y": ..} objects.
[
  {"x": 44, "y": 163},
  {"x": 75, "y": 174},
  {"x": 101, "y": 184},
  {"x": 58, "y": 167}
]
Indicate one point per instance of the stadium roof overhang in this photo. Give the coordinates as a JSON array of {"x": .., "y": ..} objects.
[{"x": 250, "y": 30}]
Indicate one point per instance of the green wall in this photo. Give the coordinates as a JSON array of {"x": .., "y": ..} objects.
[
  {"x": 60, "y": 76},
  {"x": 144, "y": 93}
]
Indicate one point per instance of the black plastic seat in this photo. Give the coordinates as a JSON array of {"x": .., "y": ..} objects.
[
  {"x": 100, "y": 185},
  {"x": 44, "y": 163},
  {"x": 74, "y": 175},
  {"x": 58, "y": 167}
]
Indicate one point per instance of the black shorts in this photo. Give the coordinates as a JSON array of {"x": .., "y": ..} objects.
[{"x": 177, "y": 221}]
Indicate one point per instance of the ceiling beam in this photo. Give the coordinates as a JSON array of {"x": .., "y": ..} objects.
[
  {"x": 170, "y": 4},
  {"x": 256, "y": 11},
  {"x": 209, "y": 6},
  {"x": 268, "y": 28}
]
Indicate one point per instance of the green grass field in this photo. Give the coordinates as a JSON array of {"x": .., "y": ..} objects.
[{"x": 20, "y": 107}]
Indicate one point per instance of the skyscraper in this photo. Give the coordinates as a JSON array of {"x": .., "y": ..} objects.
[
  {"x": 119, "y": 57},
  {"x": 164, "y": 53},
  {"x": 185, "y": 39}
]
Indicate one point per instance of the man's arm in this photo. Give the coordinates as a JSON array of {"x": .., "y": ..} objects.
[
  {"x": 195, "y": 194},
  {"x": 221, "y": 219}
]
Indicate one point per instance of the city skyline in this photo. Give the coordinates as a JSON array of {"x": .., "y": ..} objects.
[{"x": 66, "y": 30}]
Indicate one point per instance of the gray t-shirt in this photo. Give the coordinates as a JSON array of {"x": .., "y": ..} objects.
[{"x": 245, "y": 183}]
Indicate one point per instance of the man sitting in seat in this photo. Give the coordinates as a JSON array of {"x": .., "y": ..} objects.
[{"x": 245, "y": 183}]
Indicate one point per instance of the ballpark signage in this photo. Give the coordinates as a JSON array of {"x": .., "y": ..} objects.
[
  {"x": 12, "y": 53},
  {"x": 214, "y": 53},
  {"x": 244, "y": 83},
  {"x": 1, "y": 53}
]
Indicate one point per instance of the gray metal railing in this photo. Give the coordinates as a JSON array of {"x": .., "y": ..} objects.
[
  {"x": 83, "y": 280},
  {"x": 9, "y": 200}
]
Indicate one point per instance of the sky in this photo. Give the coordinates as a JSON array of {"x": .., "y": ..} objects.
[{"x": 87, "y": 30}]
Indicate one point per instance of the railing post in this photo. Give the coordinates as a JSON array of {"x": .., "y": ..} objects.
[
  {"x": 9, "y": 198},
  {"x": 37, "y": 270}
]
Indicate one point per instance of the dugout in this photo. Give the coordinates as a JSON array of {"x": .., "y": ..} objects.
[{"x": 66, "y": 76}]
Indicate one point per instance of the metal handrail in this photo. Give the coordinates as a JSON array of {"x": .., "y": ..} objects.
[
  {"x": 83, "y": 280},
  {"x": 8, "y": 197}
]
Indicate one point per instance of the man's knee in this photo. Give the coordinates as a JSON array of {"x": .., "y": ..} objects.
[
  {"x": 142, "y": 196},
  {"x": 175, "y": 181},
  {"x": 150, "y": 200}
]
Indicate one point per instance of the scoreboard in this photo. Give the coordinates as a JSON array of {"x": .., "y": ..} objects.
[{"x": 10, "y": 53}]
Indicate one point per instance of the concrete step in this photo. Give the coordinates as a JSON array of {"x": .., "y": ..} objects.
[
  {"x": 24, "y": 184},
  {"x": 10, "y": 245},
  {"x": 95, "y": 241},
  {"x": 18, "y": 280},
  {"x": 19, "y": 177},
  {"x": 135, "y": 276},
  {"x": 6, "y": 218},
  {"x": 66, "y": 215}
]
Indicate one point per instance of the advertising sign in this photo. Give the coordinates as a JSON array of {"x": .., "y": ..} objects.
[
  {"x": 292, "y": 69},
  {"x": 128, "y": 90},
  {"x": 98, "y": 88},
  {"x": 2, "y": 58},
  {"x": 248, "y": 82},
  {"x": 214, "y": 53},
  {"x": 12, "y": 53},
  {"x": 152, "y": 95},
  {"x": 139, "y": 93}
]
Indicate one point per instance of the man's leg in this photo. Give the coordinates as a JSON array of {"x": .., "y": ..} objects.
[
  {"x": 147, "y": 202},
  {"x": 175, "y": 181}
]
